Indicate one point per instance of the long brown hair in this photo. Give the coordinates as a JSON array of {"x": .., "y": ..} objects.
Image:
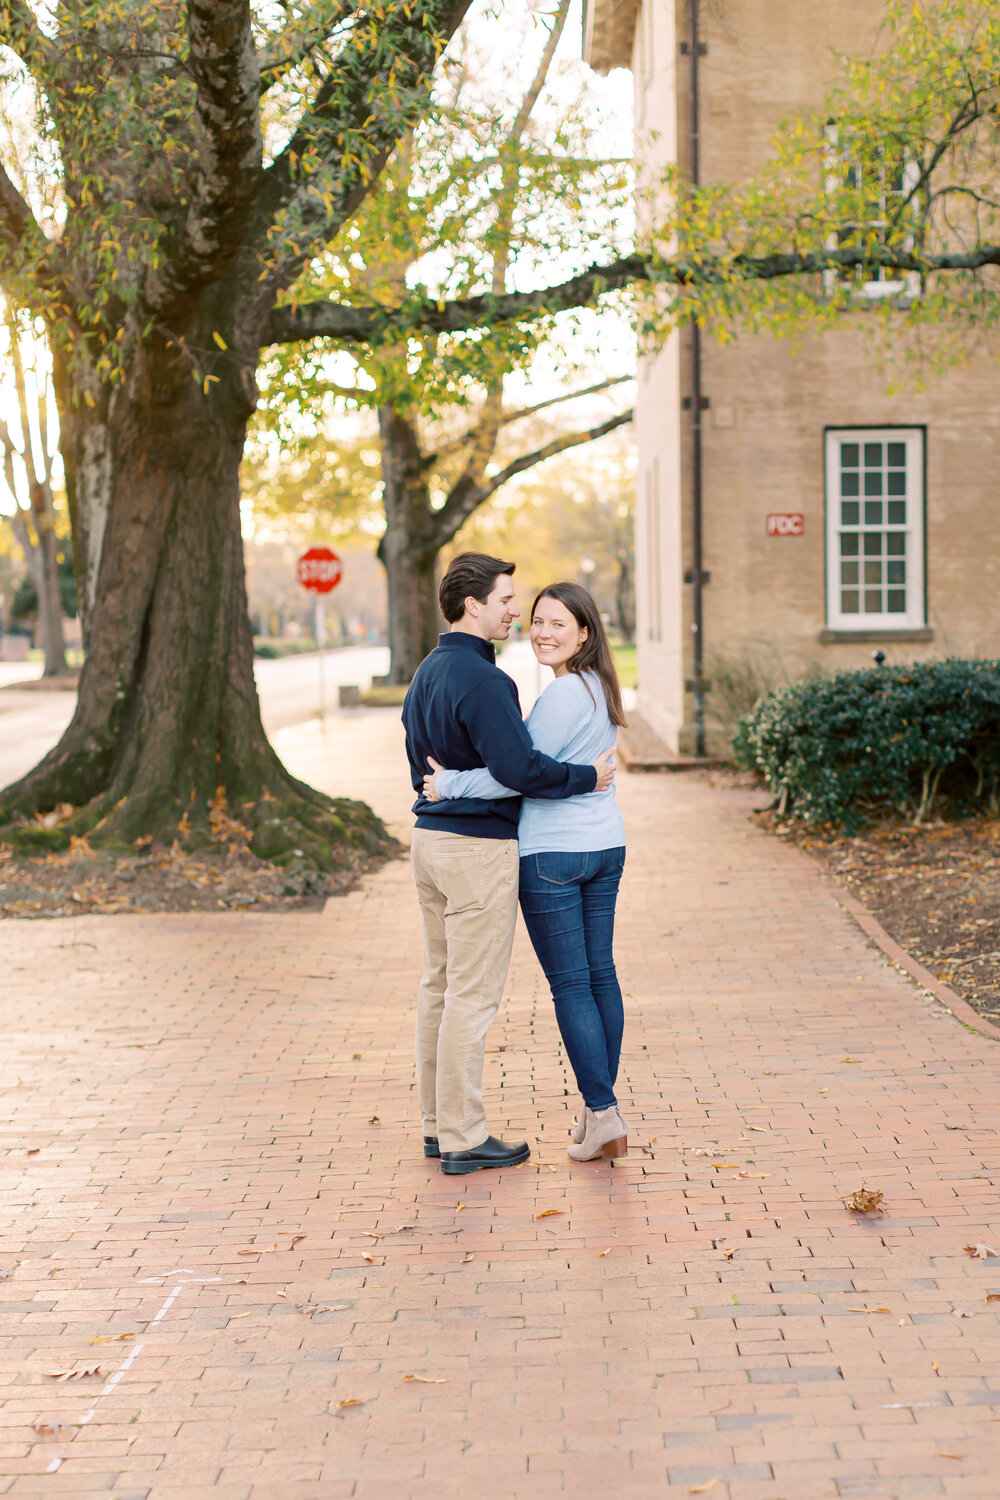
[{"x": 594, "y": 654}]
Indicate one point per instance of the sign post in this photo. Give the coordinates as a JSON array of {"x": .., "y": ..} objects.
[{"x": 320, "y": 570}]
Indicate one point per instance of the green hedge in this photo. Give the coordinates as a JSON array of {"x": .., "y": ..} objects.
[
  {"x": 270, "y": 647},
  {"x": 884, "y": 739}
]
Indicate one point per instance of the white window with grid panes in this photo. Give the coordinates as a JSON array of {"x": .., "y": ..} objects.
[{"x": 875, "y": 528}]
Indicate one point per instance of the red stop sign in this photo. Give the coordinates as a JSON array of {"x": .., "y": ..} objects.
[{"x": 319, "y": 570}]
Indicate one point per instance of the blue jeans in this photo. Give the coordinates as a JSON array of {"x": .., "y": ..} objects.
[{"x": 568, "y": 903}]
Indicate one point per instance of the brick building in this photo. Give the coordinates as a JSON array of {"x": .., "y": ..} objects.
[{"x": 832, "y": 518}]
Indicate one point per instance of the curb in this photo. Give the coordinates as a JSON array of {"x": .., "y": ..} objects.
[{"x": 963, "y": 1012}]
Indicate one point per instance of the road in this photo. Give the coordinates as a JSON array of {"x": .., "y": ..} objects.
[{"x": 31, "y": 721}]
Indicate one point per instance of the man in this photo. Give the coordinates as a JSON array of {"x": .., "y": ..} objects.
[{"x": 462, "y": 710}]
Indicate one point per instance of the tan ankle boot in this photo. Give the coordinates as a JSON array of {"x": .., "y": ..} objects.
[
  {"x": 606, "y": 1135},
  {"x": 580, "y": 1128}
]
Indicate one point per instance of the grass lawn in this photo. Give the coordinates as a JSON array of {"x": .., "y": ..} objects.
[{"x": 626, "y": 664}]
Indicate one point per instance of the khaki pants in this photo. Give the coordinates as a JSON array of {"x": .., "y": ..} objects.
[{"x": 467, "y": 888}]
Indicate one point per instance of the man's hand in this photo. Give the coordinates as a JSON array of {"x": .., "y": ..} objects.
[
  {"x": 430, "y": 780},
  {"x": 604, "y": 765}
]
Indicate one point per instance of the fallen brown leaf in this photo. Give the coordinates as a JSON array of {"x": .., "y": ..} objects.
[
  {"x": 959, "y": 1457},
  {"x": 427, "y": 1379},
  {"x": 702, "y": 1489},
  {"x": 730, "y": 1253},
  {"x": 467, "y": 1258},
  {"x": 936, "y": 1367},
  {"x": 602, "y": 1253},
  {"x": 111, "y": 1338},
  {"x": 351, "y": 1401},
  {"x": 849, "y": 1059},
  {"x": 865, "y": 1201},
  {"x": 548, "y": 1213},
  {"x": 33, "y": 1150},
  {"x": 73, "y": 1374},
  {"x": 295, "y": 1240},
  {"x": 257, "y": 1250},
  {"x": 993, "y": 1296},
  {"x": 369, "y": 1258},
  {"x": 981, "y": 1252},
  {"x": 721, "y": 1166},
  {"x": 374, "y": 1120}
]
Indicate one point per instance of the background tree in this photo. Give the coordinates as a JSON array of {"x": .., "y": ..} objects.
[
  {"x": 29, "y": 460},
  {"x": 196, "y": 156},
  {"x": 572, "y": 519},
  {"x": 502, "y": 178}
]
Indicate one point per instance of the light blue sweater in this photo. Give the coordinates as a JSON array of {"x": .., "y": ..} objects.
[{"x": 569, "y": 724}]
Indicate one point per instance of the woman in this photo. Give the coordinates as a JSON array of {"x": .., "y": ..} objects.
[{"x": 572, "y": 854}]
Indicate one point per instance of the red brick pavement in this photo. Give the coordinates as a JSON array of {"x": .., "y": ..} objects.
[{"x": 190, "y": 1095}]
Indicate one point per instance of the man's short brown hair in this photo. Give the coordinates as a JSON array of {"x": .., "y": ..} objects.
[{"x": 470, "y": 574}]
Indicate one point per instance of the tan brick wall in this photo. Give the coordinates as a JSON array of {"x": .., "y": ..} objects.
[{"x": 771, "y": 400}]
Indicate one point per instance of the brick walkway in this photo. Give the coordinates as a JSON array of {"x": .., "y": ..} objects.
[{"x": 213, "y": 1153}]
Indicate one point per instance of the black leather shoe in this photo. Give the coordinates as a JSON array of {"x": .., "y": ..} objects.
[
  {"x": 431, "y": 1147},
  {"x": 492, "y": 1153}
]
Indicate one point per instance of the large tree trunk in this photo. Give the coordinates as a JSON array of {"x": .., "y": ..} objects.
[
  {"x": 167, "y": 724},
  {"x": 407, "y": 550}
]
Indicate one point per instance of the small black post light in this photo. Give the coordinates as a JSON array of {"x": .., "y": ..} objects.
[{"x": 878, "y": 657}]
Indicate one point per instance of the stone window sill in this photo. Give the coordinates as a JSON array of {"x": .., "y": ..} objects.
[{"x": 873, "y": 637}]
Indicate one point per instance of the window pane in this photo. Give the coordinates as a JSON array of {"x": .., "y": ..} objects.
[
  {"x": 873, "y": 601},
  {"x": 849, "y": 572},
  {"x": 895, "y": 544},
  {"x": 850, "y": 513},
  {"x": 873, "y": 455},
  {"x": 873, "y": 512},
  {"x": 848, "y": 455},
  {"x": 897, "y": 601},
  {"x": 873, "y": 483},
  {"x": 895, "y": 572},
  {"x": 896, "y": 512},
  {"x": 873, "y": 544},
  {"x": 873, "y": 572},
  {"x": 896, "y": 455},
  {"x": 849, "y": 602},
  {"x": 849, "y": 544},
  {"x": 849, "y": 484},
  {"x": 896, "y": 482}
]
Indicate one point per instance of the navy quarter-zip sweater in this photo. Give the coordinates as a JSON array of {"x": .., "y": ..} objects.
[{"x": 464, "y": 711}]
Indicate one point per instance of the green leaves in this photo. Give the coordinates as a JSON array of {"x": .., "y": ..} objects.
[{"x": 843, "y": 748}]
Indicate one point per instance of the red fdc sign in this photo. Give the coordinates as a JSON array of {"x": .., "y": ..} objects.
[
  {"x": 319, "y": 570},
  {"x": 785, "y": 525}
]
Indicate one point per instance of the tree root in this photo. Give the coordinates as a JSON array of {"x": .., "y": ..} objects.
[{"x": 291, "y": 825}]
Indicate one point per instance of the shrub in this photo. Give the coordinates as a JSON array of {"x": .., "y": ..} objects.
[{"x": 881, "y": 739}]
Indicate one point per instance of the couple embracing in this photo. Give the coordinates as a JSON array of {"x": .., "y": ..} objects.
[{"x": 508, "y": 810}]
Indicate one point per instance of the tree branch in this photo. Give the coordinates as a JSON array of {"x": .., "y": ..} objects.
[
  {"x": 373, "y": 95},
  {"x": 17, "y": 222},
  {"x": 455, "y": 444},
  {"x": 223, "y": 63},
  {"x": 353, "y": 324},
  {"x": 274, "y": 65},
  {"x": 466, "y": 498}
]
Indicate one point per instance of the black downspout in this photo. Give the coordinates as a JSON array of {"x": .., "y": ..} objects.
[{"x": 698, "y": 577}]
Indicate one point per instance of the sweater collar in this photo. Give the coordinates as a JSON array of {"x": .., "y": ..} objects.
[{"x": 460, "y": 640}]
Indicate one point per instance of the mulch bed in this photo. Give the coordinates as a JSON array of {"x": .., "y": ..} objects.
[
  {"x": 158, "y": 878},
  {"x": 935, "y": 889}
]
